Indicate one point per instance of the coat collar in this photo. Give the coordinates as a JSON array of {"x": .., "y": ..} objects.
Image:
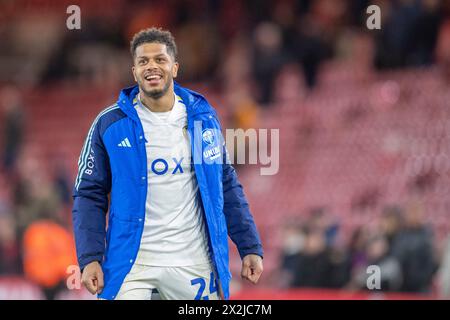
[{"x": 195, "y": 102}]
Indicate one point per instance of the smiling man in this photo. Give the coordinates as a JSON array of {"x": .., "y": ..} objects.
[{"x": 157, "y": 160}]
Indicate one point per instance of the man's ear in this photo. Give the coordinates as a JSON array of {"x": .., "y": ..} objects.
[
  {"x": 175, "y": 69},
  {"x": 133, "y": 70}
]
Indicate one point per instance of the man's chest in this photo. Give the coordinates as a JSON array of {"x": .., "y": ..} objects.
[{"x": 168, "y": 149}]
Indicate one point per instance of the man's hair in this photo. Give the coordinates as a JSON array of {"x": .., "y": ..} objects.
[{"x": 152, "y": 35}]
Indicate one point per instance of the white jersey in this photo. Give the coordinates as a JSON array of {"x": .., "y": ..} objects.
[{"x": 174, "y": 231}]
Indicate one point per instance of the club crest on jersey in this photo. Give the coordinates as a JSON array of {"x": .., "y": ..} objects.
[
  {"x": 212, "y": 150},
  {"x": 208, "y": 136}
]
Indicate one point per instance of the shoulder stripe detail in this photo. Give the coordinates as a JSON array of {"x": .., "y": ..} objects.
[{"x": 82, "y": 161}]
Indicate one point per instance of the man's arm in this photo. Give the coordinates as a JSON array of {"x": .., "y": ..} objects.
[
  {"x": 90, "y": 195},
  {"x": 241, "y": 226}
]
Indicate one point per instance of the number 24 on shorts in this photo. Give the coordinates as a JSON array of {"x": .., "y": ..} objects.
[{"x": 201, "y": 289}]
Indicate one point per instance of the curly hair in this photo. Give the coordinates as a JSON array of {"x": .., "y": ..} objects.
[{"x": 152, "y": 35}]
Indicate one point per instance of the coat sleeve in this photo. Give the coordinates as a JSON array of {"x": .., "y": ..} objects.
[
  {"x": 241, "y": 226},
  {"x": 90, "y": 196}
]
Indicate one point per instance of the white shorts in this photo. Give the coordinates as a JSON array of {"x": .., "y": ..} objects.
[{"x": 171, "y": 283}]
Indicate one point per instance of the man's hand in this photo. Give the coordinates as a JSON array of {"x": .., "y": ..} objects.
[
  {"x": 92, "y": 277},
  {"x": 252, "y": 267}
]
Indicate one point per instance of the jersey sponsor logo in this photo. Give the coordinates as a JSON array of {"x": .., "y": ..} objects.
[
  {"x": 160, "y": 166},
  {"x": 212, "y": 153},
  {"x": 90, "y": 163}
]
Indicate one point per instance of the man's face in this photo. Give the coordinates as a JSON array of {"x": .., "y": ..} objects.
[{"x": 154, "y": 69}]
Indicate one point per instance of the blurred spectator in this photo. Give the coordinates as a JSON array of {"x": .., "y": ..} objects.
[
  {"x": 357, "y": 12},
  {"x": 357, "y": 248},
  {"x": 377, "y": 251},
  {"x": 310, "y": 49},
  {"x": 391, "y": 223},
  {"x": 321, "y": 219},
  {"x": 9, "y": 249},
  {"x": 292, "y": 244},
  {"x": 235, "y": 73},
  {"x": 313, "y": 262},
  {"x": 415, "y": 252},
  {"x": 409, "y": 33},
  {"x": 61, "y": 179},
  {"x": 309, "y": 258},
  {"x": 62, "y": 186},
  {"x": 340, "y": 267},
  {"x": 378, "y": 254},
  {"x": 443, "y": 50},
  {"x": 46, "y": 241},
  {"x": 200, "y": 49},
  {"x": 394, "y": 38},
  {"x": 142, "y": 13},
  {"x": 13, "y": 126},
  {"x": 90, "y": 57},
  {"x": 425, "y": 33},
  {"x": 35, "y": 196},
  {"x": 268, "y": 58},
  {"x": 245, "y": 110},
  {"x": 444, "y": 272}
]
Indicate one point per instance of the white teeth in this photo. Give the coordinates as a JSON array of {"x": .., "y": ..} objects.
[{"x": 154, "y": 77}]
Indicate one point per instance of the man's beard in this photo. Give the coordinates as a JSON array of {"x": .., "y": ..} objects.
[{"x": 156, "y": 94}]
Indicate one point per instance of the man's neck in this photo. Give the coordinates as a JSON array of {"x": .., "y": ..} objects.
[{"x": 163, "y": 104}]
